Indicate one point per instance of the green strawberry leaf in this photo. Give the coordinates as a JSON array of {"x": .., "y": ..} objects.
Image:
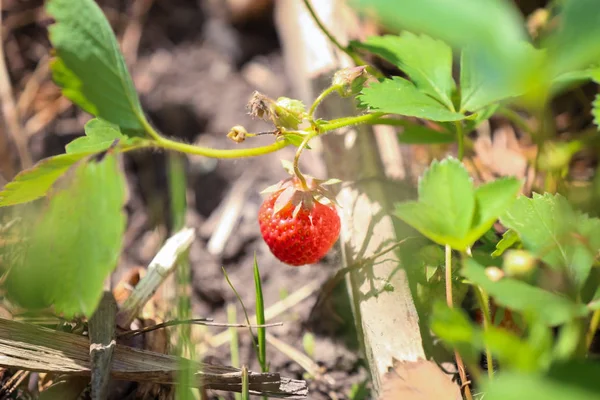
[
  {"x": 474, "y": 120},
  {"x": 399, "y": 96},
  {"x": 479, "y": 90},
  {"x": 417, "y": 134},
  {"x": 509, "y": 239},
  {"x": 446, "y": 204},
  {"x": 492, "y": 199},
  {"x": 573, "y": 380},
  {"x": 426, "y": 61},
  {"x": 574, "y": 45},
  {"x": 33, "y": 183},
  {"x": 456, "y": 22},
  {"x": 89, "y": 65},
  {"x": 450, "y": 211},
  {"x": 552, "y": 309},
  {"x": 74, "y": 241},
  {"x": 551, "y": 229},
  {"x": 501, "y": 62},
  {"x": 99, "y": 136},
  {"x": 454, "y": 327}
]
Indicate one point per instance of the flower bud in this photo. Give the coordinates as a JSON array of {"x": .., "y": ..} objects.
[
  {"x": 519, "y": 263},
  {"x": 350, "y": 81},
  {"x": 237, "y": 134}
]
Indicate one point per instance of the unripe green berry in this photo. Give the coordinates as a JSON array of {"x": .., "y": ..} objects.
[{"x": 519, "y": 263}]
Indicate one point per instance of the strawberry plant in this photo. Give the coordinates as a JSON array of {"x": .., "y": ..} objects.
[{"x": 529, "y": 262}]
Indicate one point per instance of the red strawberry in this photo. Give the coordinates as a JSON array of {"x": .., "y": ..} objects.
[{"x": 297, "y": 224}]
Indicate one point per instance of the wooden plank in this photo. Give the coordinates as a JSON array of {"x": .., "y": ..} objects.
[
  {"x": 387, "y": 321},
  {"x": 35, "y": 348}
]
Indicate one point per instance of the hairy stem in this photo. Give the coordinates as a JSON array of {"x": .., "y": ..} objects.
[
  {"x": 319, "y": 99},
  {"x": 348, "y": 121},
  {"x": 168, "y": 144},
  {"x": 297, "y": 172},
  {"x": 460, "y": 138},
  {"x": 459, "y": 362},
  {"x": 484, "y": 305}
]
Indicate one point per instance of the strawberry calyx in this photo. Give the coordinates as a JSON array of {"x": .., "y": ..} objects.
[{"x": 293, "y": 192}]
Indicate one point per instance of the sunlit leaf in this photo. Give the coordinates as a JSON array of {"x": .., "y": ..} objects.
[
  {"x": 35, "y": 182},
  {"x": 89, "y": 65},
  {"x": 99, "y": 136},
  {"x": 399, "y": 96},
  {"x": 75, "y": 240},
  {"x": 426, "y": 61},
  {"x": 446, "y": 203}
]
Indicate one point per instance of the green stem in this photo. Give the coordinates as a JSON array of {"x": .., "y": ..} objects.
[
  {"x": 484, "y": 305},
  {"x": 297, "y": 172},
  {"x": 449, "y": 300},
  {"x": 319, "y": 99},
  {"x": 219, "y": 153},
  {"x": 460, "y": 138},
  {"x": 358, "y": 60},
  {"x": 595, "y": 321},
  {"x": 153, "y": 133},
  {"x": 516, "y": 119},
  {"x": 168, "y": 144},
  {"x": 347, "y": 121}
]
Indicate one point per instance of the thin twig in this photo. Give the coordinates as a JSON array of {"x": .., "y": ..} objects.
[
  {"x": 355, "y": 57},
  {"x": 10, "y": 111},
  {"x": 459, "y": 362},
  {"x": 195, "y": 321},
  {"x": 32, "y": 86}
]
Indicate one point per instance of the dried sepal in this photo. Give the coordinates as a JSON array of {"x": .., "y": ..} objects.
[
  {"x": 331, "y": 181},
  {"x": 288, "y": 166},
  {"x": 260, "y": 106},
  {"x": 284, "y": 198},
  {"x": 293, "y": 192},
  {"x": 283, "y": 113},
  {"x": 273, "y": 188}
]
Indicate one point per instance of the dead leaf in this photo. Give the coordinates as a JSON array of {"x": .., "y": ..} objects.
[
  {"x": 418, "y": 380},
  {"x": 503, "y": 155}
]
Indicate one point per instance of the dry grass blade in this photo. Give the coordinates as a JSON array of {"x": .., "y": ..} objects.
[
  {"x": 159, "y": 269},
  {"x": 35, "y": 348}
]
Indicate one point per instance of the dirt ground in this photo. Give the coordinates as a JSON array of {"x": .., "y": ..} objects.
[{"x": 195, "y": 69}]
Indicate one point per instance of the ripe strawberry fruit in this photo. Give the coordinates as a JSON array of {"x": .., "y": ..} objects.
[{"x": 297, "y": 224}]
